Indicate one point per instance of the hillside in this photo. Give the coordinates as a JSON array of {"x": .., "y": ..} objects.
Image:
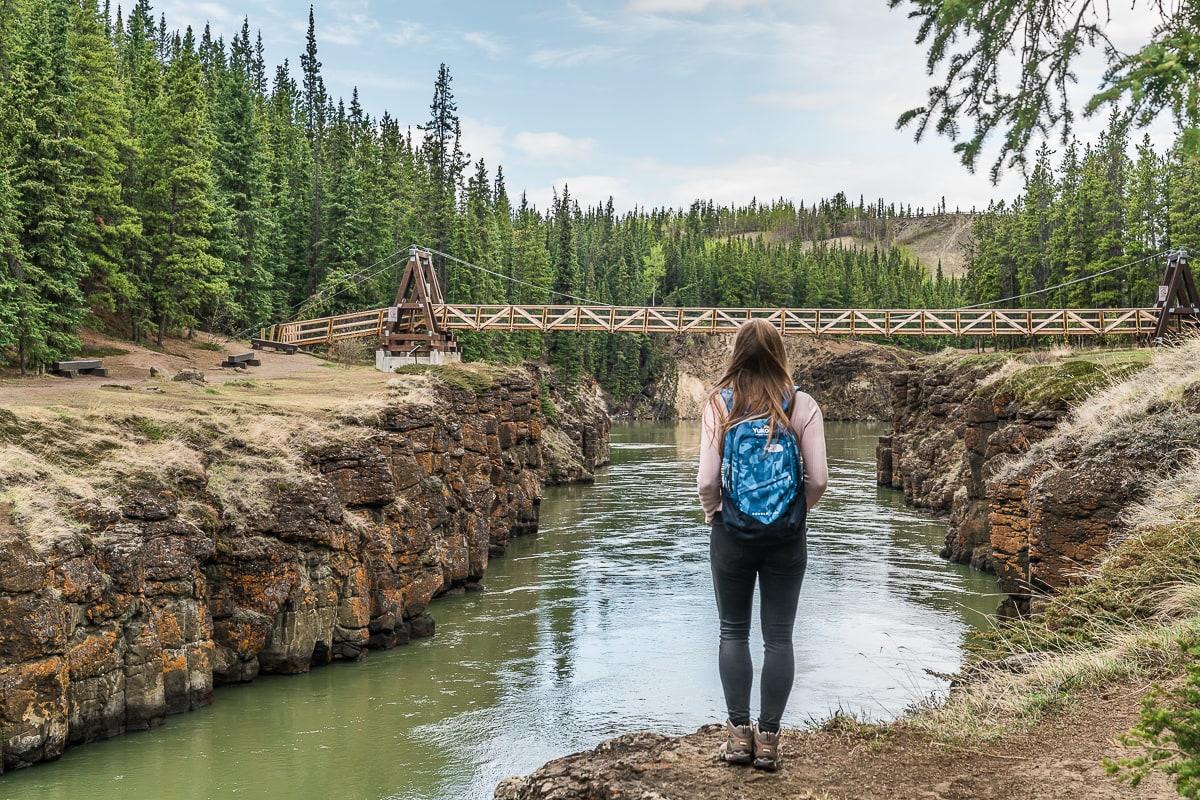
[{"x": 933, "y": 239}]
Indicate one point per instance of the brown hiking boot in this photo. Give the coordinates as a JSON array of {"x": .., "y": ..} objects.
[
  {"x": 766, "y": 750},
  {"x": 738, "y": 745}
]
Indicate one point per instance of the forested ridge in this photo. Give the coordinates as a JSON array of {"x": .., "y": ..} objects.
[
  {"x": 1091, "y": 226},
  {"x": 154, "y": 180}
]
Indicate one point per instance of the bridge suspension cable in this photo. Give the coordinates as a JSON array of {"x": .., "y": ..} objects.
[
  {"x": 293, "y": 313},
  {"x": 580, "y": 300},
  {"x": 1067, "y": 283}
]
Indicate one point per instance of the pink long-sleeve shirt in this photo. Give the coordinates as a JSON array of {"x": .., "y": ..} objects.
[{"x": 809, "y": 426}]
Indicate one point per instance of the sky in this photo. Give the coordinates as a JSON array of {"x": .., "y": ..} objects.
[{"x": 653, "y": 103}]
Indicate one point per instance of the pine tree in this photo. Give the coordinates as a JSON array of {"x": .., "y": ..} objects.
[
  {"x": 183, "y": 276},
  {"x": 565, "y": 349},
  {"x": 343, "y": 232},
  {"x": 39, "y": 107},
  {"x": 12, "y": 257},
  {"x": 288, "y": 178},
  {"x": 315, "y": 103},
  {"x": 142, "y": 75},
  {"x": 1033, "y": 267},
  {"x": 444, "y": 163},
  {"x": 112, "y": 228},
  {"x": 240, "y": 197}
]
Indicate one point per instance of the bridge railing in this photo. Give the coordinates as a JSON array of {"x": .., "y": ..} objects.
[
  {"x": 329, "y": 329},
  {"x": 815, "y": 322}
]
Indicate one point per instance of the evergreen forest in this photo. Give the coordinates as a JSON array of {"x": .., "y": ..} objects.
[{"x": 156, "y": 181}]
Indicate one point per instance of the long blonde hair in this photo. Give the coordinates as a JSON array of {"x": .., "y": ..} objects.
[{"x": 758, "y": 374}]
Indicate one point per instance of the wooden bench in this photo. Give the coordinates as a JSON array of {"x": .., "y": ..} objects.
[
  {"x": 86, "y": 366},
  {"x": 259, "y": 344},
  {"x": 240, "y": 360}
]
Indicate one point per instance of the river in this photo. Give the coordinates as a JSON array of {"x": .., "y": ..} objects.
[{"x": 601, "y": 624}]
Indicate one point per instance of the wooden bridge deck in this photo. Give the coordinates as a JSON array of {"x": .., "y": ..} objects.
[{"x": 814, "y": 322}]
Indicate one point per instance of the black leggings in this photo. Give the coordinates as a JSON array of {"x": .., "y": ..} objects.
[{"x": 779, "y": 570}]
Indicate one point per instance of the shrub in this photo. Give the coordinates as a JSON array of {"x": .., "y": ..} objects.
[{"x": 1169, "y": 734}]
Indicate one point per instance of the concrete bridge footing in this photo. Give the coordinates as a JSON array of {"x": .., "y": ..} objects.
[{"x": 384, "y": 362}]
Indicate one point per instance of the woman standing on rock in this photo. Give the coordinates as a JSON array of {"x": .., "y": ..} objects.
[{"x": 768, "y": 547}]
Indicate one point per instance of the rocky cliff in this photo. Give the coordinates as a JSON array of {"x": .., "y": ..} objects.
[
  {"x": 1030, "y": 492},
  {"x": 146, "y": 558}
]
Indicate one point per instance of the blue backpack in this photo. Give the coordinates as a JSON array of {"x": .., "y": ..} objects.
[{"x": 762, "y": 481}]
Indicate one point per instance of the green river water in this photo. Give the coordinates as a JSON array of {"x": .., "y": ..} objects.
[{"x": 601, "y": 624}]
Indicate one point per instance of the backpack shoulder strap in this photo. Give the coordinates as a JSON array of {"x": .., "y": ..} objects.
[
  {"x": 787, "y": 400},
  {"x": 727, "y": 396}
]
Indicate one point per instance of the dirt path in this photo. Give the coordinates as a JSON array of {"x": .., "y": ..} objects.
[{"x": 1059, "y": 759}]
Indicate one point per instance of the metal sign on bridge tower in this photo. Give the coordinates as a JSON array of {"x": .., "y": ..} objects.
[{"x": 410, "y": 333}]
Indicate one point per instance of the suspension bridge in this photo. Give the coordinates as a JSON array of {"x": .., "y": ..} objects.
[{"x": 420, "y": 324}]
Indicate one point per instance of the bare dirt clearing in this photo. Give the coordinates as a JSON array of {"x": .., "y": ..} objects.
[{"x": 296, "y": 381}]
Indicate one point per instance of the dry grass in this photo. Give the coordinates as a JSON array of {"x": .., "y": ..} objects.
[
  {"x": 1172, "y": 501},
  {"x": 1048, "y": 356},
  {"x": 40, "y": 512},
  {"x": 61, "y": 443},
  {"x": 1170, "y": 372},
  {"x": 247, "y": 451},
  {"x": 1009, "y": 368},
  {"x": 406, "y": 390},
  {"x": 1017, "y": 698}
]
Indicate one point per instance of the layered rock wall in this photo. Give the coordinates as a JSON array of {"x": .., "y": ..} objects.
[
  {"x": 1026, "y": 497},
  {"x": 155, "y": 599},
  {"x": 952, "y": 428}
]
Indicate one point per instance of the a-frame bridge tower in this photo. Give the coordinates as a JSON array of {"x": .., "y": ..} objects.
[
  {"x": 1177, "y": 297},
  {"x": 410, "y": 333}
]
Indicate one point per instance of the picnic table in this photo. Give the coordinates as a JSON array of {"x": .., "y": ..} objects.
[
  {"x": 84, "y": 366},
  {"x": 241, "y": 360}
]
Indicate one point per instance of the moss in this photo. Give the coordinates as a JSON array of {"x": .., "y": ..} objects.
[
  {"x": 149, "y": 428},
  {"x": 66, "y": 440},
  {"x": 1142, "y": 356},
  {"x": 1067, "y": 382},
  {"x": 548, "y": 409},
  {"x": 477, "y": 379}
]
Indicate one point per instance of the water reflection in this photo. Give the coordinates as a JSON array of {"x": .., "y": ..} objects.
[{"x": 601, "y": 624}]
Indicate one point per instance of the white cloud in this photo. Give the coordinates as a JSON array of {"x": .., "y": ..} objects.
[
  {"x": 181, "y": 15},
  {"x": 552, "y": 147},
  {"x": 484, "y": 141},
  {"x": 403, "y": 32},
  {"x": 347, "y": 30},
  {"x": 486, "y": 43},
  {"x": 592, "y": 54}
]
